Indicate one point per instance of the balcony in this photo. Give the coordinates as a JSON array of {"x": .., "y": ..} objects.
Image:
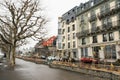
[
  {"x": 111, "y": 26},
  {"x": 95, "y": 29},
  {"x": 117, "y": 8},
  {"x": 107, "y": 12},
  {"x": 92, "y": 18},
  {"x": 82, "y": 33},
  {"x": 103, "y": 13},
  {"x": 83, "y": 43}
]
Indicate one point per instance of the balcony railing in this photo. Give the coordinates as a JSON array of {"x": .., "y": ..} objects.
[
  {"x": 92, "y": 18},
  {"x": 103, "y": 13},
  {"x": 109, "y": 26},
  {"x": 82, "y": 33},
  {"x": 109, "y": 11}
]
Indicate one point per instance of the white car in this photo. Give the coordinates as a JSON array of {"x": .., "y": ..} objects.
[{"x": 50, "y": 58}]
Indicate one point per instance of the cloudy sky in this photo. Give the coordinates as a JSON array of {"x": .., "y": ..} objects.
[{"x": 55, "y": 8}]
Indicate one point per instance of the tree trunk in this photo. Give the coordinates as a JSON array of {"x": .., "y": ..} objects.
[{"x": 12, "y": 56}]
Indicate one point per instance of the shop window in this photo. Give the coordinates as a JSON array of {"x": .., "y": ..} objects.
[
  {"x": 84, "y": 52},
  {"x": 74, "y": 54},
  {"x": 110, "y": 52}
]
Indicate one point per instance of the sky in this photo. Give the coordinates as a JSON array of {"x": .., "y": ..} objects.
[{"x": 55, "y": 9}]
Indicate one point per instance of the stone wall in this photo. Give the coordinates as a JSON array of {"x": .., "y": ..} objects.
[{"x": 103, "y": 75}]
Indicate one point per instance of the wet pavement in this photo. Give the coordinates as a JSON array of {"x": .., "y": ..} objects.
[{"x": 25, "y": 70}]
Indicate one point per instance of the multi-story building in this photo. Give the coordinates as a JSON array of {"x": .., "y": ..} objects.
[
  {"x": 59, "y": 37},
  {"x": 67, "y": 40},
  {"x": 91, "y": 29},
  {"x": 98, "y": 32}
]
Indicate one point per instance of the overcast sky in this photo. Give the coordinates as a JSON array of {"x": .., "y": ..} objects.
[{"x": 55, "y": 8}]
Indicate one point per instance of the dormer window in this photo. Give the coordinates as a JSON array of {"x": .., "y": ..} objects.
[
  {"x": 68, "y": 13},
  {"x": 92, "y": 3},
  {"x": 73, "y": 10},
  {"x": 67, "y": 21},
  {"x": 72, "y": 19}
]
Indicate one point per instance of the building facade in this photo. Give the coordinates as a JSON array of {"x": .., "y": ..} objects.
[
  {"x": 97, "y": 28},
  {"x": 67, "y": 40}
]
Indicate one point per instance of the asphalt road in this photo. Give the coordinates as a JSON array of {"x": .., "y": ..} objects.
[{"x": 25, "y": 70}]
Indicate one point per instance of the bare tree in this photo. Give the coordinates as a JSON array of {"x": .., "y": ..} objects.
[{"x": 21, "y": 21}]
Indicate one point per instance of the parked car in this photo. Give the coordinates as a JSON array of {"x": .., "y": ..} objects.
[
  {"x": 50, "y": 58},
  {"x": 89, "y": 59},
  {"x": 42, "y": 57}
]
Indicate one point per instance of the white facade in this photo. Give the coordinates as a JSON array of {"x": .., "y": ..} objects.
[
  {"x": 96, "y": 30},
  {"x": 102, "y": 43}
]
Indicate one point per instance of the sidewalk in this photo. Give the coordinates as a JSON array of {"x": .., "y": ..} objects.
[{"x": 3, "y": 64}]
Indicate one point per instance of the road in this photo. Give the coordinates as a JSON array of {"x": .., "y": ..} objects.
[{"x": 25, "y": 70}]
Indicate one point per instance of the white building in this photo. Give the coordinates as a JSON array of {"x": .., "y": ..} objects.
[{"x": 99, "y": 29}]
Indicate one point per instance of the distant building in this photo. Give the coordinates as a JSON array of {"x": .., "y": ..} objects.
[{"x": 42, "y": 47}]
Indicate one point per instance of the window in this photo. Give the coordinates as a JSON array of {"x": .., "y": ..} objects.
[
  {"x": 59, "y": 31},
  {"x": 93, "y": 25},
  {"x": 105, "y": 8},
  {"x": 68, "y": 29},
  {"x": 63, "y": 38},
  {"x": 72, "y": 19},
  {"x": 118, "y": 3},
  {"x": 84, "y": 52},
  {"x": 104, "y": 37},
  {"x": 111, "y": 38},
  {"x": 63, "y": 31},
  {"x": 68, "y": 13},
  {"x": 63, "y": 46},
  {"x": 110, "y": 52},
  {"x": 74, "y": 54},
  {"x": 92, "y": 3},
  {"x": 67, "y": 21},
  {"x": 68, "y": 36},
  {"x": 73, "y": 27},
  {"x": 94, "y": 39},
  {"x": 68, "y": 45},
  {"x": 92, "y": 13},
  {"x": 74, "y": 35},
  {"x": 74, "y": 44},
  {"x": 83, "y": 41},
  {"x": 81, "y": 18},
  {"x": 106, "y": 20}
]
